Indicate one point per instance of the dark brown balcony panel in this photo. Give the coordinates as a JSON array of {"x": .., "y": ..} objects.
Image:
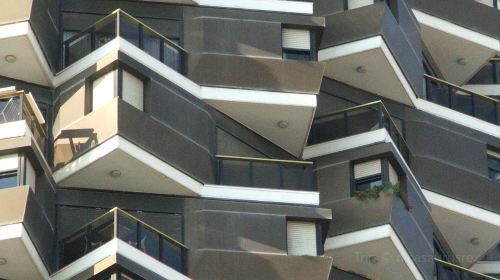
[
  {"x": 242, "y": 265},
  {"x": 255, "y": 73},
  {"x": 22, "y": 213},
  {"x": 19, "y": 19},
  {"x": 469, "y": 14},
  {"x": 404, "y": 211},
  {"x": 371, "y": 22}
]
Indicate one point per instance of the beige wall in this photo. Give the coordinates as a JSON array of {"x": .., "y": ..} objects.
[
  {"x": 13, "y": 203},
  {"x": 86, "y": 132},
  {"x": 14, "y": 10}
]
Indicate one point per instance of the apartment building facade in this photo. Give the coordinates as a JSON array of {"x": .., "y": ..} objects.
[{"x": 249, "y": 139}]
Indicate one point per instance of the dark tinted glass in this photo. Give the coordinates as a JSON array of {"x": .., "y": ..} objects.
[
  {"x": 368, "y": 183},
  {"x": 8, "y": 180},
  {"x": 296, "y": 55}
]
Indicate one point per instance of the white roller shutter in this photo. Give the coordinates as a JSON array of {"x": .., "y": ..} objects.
[
  {"x": 393, "y": 176},
  {"x": 301, "y": 238},
  {"x": 493, "y": 154},
  {"x": 133, "y": 90},
  {"x": 103, "y": 90},
  {"x": 296, "y": 39},
  {"x": 8, "y": 162},
  {"x": 366, "y": 169},
  {"x": 353, "y": 4},
  {"x": 30, "y": 175}
]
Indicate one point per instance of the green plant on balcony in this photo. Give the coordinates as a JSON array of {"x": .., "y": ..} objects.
[{"x": 376, "y": 191}]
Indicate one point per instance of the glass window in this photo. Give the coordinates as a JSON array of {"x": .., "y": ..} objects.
[
  {"x": 297, "y": 54},
  {"x": 133, "y": 90},
  {"x": 8, "y": 179},
  {"x": 494, "y": 168},
  {"x": 368, "y": 183},
  {"x": 103, "y": 90}
]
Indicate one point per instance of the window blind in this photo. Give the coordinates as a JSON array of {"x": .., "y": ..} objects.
[
  {"x": 301, "y": 238},
  {"x": 299, "y": 39},
  {"x": 366, "y": 169}
]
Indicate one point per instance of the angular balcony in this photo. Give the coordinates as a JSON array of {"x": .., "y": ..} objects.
[
  {"x": 120, "y": 24},
  {"x": 383, "y": 223},
  {"x": 375, "y": 54},
  {"x": 460, "y": 43},
  {"x": 462, "y": 100},
  {"x": 29, "y": 40},
  {"x": 148, "y": 246},
  {"x": 123, "y": 127},
  {"x": 487, "y": 80},
  {"x": 20, "y": 118},
  {"x": 354, "y": 127},
  {"x": 449, "y": 271}
]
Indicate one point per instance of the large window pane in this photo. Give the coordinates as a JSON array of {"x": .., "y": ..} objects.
[
  {"x": 172, "y": 57},
  {"x": 328, "y": 128},
  {"x": 103, "y": 90},
  {"x": 133, "y": 90},
  {"x": 362, "y": 120},
  {"x": 8, "y": 179},
  {"x": 461, "y": 101},
  {"x": 78, "y": 48},
  {"x": 171, "y": 255},
  {"x": 152, "y": 44},
  {"x": 150, "y": 242},
  {"x": 127, "y": 230},
  {"x": 129, "y": 30},
  {"x": 74, "y": 248},
  {"x": 485, "y": 109},
  {"x": 105, "y": 32}
]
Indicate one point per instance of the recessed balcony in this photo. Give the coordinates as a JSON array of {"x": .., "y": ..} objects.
[
  {"x": 151, "y": 247},
  {"x": 354, "y": 127}
]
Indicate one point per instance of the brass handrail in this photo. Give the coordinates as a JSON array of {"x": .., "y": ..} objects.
[
  {"x": 25, "y": 105},
  {"x": 120, "y": 11},
  {"x": 122, "y": 212},
  {"x": 460, "y": 88},
  {"x": 367, "y": 105},
  {"x": 238, "y": 158},
  {"x": 465, "y": 269}
]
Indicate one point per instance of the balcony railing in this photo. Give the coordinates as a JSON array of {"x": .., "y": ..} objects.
[
  {"x": 119, "y": 224},
  {"x": 355, "y": 120},
  {"x": 449, "y": 271},
  {"x": 461, "y": 100},
  {"x": 489, "y": 74},
  {"x": 16, "y": 106},
  {"x": 265, "y": 173},
  {"x": 121, "y": 24}
]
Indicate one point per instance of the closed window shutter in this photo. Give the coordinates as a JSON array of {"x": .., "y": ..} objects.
[
  {"x": 299, "y": 39},
  {"x": 353, "y": 4},
  {"x": 301, "y": 238},
  {"x": 493, "y": 154},
  {"x": 393, "y": 176},
  {"x": 8, "y": 162},
  {"x": 366, "y": 169}
]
